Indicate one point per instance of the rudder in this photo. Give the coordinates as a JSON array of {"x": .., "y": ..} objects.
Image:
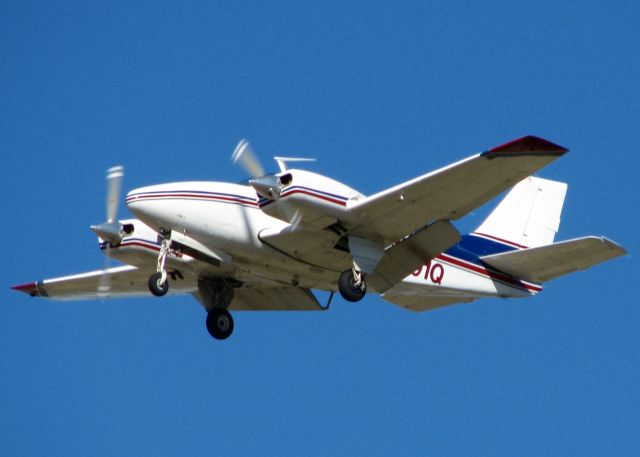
[{"x": 529, "y": 215}]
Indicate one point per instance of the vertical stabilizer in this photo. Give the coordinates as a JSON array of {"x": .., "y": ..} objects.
[{"x": 529, "y": 215}]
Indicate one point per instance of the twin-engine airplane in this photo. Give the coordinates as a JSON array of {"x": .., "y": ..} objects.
[{"x": 265, "y": 244}]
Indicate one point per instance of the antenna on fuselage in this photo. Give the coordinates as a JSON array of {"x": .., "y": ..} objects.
[{"x": 282, "y": 161}]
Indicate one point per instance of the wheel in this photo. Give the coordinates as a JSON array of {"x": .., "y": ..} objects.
[
  {"x": 348, "y": 289},
  {"x": 219, "y": 323},
  {"x": 155, "y": 287}
]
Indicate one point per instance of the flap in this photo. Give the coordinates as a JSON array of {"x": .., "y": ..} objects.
[
  {"x": 406, "y": 256},
  {"x": 284, "y": 298},
  {"x": 314, "y": 247},
  {"x": 420, "y": 303},
  {"x": 544, "y": 263},
  {"x": 197, "y": 250}
]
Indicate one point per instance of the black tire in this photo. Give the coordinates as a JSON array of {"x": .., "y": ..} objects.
[
  {"x": 155, "y": 288},
  {"x": 348, "y": 289},
  {"x": 219, "y": 323}
]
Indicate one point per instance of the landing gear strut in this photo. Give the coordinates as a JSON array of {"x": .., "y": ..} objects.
[
  {"x": 158, "y": 284},
  {"x": 219, "y": 323},
  {"x": 351, "y": 285}
]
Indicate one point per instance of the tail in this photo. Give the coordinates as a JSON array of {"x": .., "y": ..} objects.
[
  {"x": 528, "y": 219},
  {"x": 529, "y": 216}
]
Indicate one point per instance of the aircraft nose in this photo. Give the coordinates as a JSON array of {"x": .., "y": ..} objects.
[
  {"x": 149, "y": 204},
  {"x": 135, "y": 201},
  {"x": 133, "y": 197}
]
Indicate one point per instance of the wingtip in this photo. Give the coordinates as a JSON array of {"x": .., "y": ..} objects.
[
  {"x": 618, "y": 249},
  {"x": 30, "y": 288},
  {"x": 527, "y": 145}
]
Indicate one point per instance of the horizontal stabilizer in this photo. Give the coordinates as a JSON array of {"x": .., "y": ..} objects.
[{"x": 548, "y": 262}]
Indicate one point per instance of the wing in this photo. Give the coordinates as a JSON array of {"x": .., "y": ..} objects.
[
  {"x": 450, "y": 192},
  {"x": 131, "y": 281},
  {"x": 124, "y": 281},
  {"x": 544, "y": 263}
]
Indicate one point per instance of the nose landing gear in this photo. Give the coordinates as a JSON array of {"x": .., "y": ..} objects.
[{"x": 158, "y": 284}]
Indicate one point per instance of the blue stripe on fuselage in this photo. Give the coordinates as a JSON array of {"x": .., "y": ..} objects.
[{"x": 471, "y": 247}]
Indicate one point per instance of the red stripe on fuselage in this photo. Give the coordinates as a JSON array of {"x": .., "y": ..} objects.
[
  {"x": 147, "y": 245},
  {"x": 489, "y": 273},
  {"x": 126, "y": 244},
  {"x": 510, "y": 243},
  {"x": 311, "y": 194},
  {"x": 194, "y": 197}
]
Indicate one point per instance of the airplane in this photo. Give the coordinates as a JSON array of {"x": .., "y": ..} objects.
[{"x": 266, "y": 243}]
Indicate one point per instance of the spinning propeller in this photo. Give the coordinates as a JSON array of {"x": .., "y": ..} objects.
[
  {"x": 266, "y": 185},
  {"x": 247, "y": 158},
  {"x": 111, "y": 231}
]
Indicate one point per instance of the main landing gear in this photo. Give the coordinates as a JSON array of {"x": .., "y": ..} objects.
[
  {"x": 217, "y": 294},
  {"x": 219, "y": 323},
  {"x": 351, "y": 285}
]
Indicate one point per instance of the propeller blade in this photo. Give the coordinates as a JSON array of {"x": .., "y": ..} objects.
[
  {"x": 111, "y": 230},
  {"x": 114, "y": 180},
  {"x": 104, "y": 283},
  {"x": 247, "y": 158}
]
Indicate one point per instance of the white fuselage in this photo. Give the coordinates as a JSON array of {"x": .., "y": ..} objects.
[
  {"x": 226, "y": 218},
  {"x": 229, "y": 218}
]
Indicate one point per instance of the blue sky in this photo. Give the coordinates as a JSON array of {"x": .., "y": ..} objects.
[{"x": 379, "y": 93}]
